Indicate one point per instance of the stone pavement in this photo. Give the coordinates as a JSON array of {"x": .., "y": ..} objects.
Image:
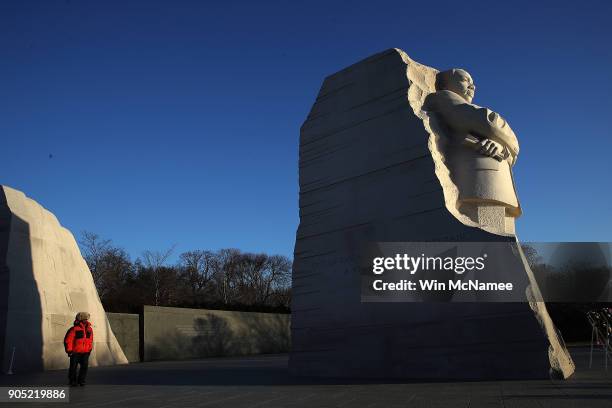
[{"x": 263, "y": 381}]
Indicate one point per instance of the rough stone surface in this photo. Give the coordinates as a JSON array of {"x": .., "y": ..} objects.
[
  {"x": 44, "y": 282},
  {"x": 478, "y": 149},
  {"x": 371, "y": 170}
]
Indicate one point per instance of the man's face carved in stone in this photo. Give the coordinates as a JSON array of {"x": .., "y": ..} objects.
[{"x": 460, "y": 82}]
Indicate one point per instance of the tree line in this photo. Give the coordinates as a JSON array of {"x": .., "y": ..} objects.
[
  {"x": 223, "y": 279},
  {"x": 579, "y": 284}
]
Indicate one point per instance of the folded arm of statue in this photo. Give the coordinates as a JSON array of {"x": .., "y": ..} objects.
[
  {"x": 474, "y": 126},
  {"x": 487, "y": 147}
]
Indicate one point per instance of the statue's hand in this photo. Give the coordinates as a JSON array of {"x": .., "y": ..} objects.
[{"x": 490, "y": 148}]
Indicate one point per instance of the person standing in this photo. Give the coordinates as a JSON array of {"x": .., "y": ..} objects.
[{"x": 78, "y": 344}]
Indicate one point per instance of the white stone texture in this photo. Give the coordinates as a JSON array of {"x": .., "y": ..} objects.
[
  {"x": 48, "y": 283},
  {"x": 370, "y": 170}
]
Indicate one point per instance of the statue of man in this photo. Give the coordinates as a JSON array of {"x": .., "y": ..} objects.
[{"x": 479, "y": 148}]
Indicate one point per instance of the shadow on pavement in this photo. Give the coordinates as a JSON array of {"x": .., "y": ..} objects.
[{"x": 268, "y": 370}]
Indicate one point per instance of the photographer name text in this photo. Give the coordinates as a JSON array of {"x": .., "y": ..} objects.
[{"x": 435, "y": 285}]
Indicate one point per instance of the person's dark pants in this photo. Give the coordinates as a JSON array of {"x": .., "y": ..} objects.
[{"x": 78, "y": 359}]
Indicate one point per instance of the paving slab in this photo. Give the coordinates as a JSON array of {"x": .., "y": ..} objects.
[{"x": 263, "y": 381}]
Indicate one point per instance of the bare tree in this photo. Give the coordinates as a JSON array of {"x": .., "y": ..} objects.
[
  {"x": 275, "y": 278},
  {"x": 197, "y": 271},
  {"x": 155, "y": 260},
  {"x": 249, "y": 277},
  {"x": 93, "y": 249},
  {"x": 199, "y": 278},
  {"x": 109, "y": 265},
  {"x": 225, "y": 269}
]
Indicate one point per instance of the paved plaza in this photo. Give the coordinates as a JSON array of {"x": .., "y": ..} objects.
[{"x": 263, "y": 381}]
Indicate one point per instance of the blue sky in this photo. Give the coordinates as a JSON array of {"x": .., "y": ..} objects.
[{"x": 177, "y": 122}]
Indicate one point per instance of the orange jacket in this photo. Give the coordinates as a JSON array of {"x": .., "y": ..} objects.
[{"x": 79, "y": 338}]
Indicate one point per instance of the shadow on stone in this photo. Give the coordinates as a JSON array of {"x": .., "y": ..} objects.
[
  {"x": 20, "y": 303},
  {"x": 220, "y": 334}
]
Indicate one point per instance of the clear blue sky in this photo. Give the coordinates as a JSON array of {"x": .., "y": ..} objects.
[{"x": 177, "y": 122}]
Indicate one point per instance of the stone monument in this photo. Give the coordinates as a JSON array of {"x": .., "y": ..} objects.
[
  {"x": 44, "y": 282},
  {"x": 394, "y": 151},
  {"x": 479, "y": 148}
]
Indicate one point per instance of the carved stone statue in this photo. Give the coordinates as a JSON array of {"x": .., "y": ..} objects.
[
  {"x": 479, "y": 148},
  {"x": 393, "y": 152}
]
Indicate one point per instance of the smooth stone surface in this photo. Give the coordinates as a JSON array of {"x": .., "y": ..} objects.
[
  {"x": 45, "y": 282},
  {"x": 371, "y": 170},
  {"x": 126, "y": 327},
  {"x": 172, "y": 333}
]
